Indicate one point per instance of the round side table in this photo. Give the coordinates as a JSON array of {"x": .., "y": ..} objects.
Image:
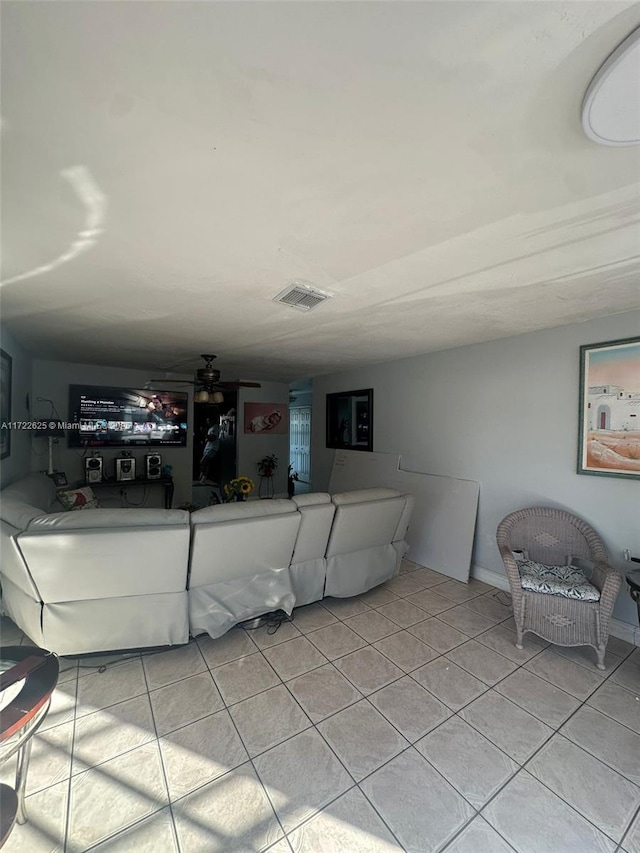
[{"x": 23, "y": 706}]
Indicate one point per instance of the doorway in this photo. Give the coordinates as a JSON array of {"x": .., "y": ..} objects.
[{"x": 300, "y": 441}]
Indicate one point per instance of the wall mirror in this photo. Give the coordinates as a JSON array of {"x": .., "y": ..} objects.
[{"x": 350, "y": 419}]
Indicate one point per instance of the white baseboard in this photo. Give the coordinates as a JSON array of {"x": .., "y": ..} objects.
[{"x": 617, "y": 628}]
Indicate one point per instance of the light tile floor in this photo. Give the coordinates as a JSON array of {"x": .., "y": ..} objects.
[{"x": 405, "y": 719}]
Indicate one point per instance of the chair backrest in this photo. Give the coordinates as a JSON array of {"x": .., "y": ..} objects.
[{"x": 550, "y": 536}]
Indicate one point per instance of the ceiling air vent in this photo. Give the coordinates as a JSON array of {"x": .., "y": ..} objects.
[{"x": 301, "y": 296}]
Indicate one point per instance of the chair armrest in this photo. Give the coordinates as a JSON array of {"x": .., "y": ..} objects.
[
  {"x": 513, "y": 575},
  {"x": 608, "y": 580}
]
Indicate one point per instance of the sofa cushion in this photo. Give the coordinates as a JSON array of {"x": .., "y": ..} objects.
[
  {"x": 311, "y": 499},
  {"x": 566, "y": 581},
  {"x": 78, "y": 499},
  {"x": 26, "y": 499},
  {"x": 361, "y": 495},
  {"x": 109, "y": 518},
  {"x": 240, "y": 510}
]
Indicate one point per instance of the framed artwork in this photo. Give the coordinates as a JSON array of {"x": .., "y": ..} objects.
[
  {"x": 6, "y": 365},
  {"x": 266, "y": 418},
  {"x": 350, "y": 420},
  {"x": 609, "y": 414}
]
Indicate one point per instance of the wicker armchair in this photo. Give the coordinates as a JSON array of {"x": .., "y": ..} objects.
[{"x": 552, "y": 537}]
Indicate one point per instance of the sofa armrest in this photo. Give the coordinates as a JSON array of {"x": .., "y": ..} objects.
[{"x": 100, "y": 519}]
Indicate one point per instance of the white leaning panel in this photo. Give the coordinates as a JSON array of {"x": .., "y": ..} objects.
[{"x": 442, "y": 526}]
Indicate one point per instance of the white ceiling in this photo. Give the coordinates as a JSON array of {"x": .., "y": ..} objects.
[{"x": 168, "y": 168}]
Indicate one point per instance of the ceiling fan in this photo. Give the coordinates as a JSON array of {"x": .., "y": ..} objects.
[{"x": 207, "y": 382}]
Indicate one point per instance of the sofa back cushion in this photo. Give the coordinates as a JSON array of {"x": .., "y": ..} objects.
[
  {"x": 25, "y": 499},
  {"x": 357, "y": 496},
  {"x": 241, "y": 539},
  {"x": 241, "y": 510},
  {"x": 366, "y": 524},
  {"x": 311, "y": 499},
  {"x": 112, "y": 519},
  {"x": 313, "y": 535}
]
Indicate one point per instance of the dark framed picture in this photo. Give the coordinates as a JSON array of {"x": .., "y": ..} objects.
[
  {"x": 6, "y": 367},
  {"x": 609, "y": 416},
  {"x": 59, "y": 478},
  {"x": 350, "y": 420}
]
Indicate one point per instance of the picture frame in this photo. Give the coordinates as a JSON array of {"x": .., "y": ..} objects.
[
  {"x": 609, "y": 413},
  {"x": 266, "y": 418},
  {"x": 350, "y": 420},
  {"x": 6, "y": 371},
  {"x": 60, "y": 479}
]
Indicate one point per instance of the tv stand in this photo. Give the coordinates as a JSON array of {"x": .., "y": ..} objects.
[{"x": 123, "y": 485}]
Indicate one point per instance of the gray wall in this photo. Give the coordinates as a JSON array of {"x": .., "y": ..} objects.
[
  {"x": 18, "y": 463},
  {"x": 504, "y": 413},
  {"x": 51, "y": 379},
  {"x": 252, "y": 447}
]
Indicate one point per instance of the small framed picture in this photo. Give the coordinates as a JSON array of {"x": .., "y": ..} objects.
[{"x": 59, "y": 478}]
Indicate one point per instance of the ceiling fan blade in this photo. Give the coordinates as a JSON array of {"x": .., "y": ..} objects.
[
  {"x": 174, "y": 381},
  {"x": 239, "y": 384}
]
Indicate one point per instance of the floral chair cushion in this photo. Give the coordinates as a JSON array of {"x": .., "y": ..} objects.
[{"x": 557, "y": 580}]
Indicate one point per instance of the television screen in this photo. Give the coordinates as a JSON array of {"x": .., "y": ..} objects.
[{"x": 126, "y": 417}]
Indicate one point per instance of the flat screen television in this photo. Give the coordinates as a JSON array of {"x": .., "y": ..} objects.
[{"x": 126, "y": 417}]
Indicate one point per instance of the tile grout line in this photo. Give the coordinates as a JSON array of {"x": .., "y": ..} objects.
[
  {"x": 595, "y": 758},
  {"x": 410, "y": 744},
  {"x": 174, "y": 828},
  {"x": 312, "y": 725},
  {"x": 625, "y": 834},
  {"x": 67, "y": 822},
  {"x": 545, "y": 742},
  {"x": 523, "y": 767},
  {"x": 356, "y": 783}
]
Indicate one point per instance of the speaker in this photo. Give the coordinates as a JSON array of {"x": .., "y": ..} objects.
[
  {"x": 93, "y": 467},
  {"x": 153, "y": 466},
  {"x": 125, "y": 469}
]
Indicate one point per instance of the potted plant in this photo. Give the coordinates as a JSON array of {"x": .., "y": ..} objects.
[{"x": 267, "y": 465}]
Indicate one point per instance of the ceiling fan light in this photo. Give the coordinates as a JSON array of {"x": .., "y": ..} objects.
[
  {"x": 201, "y": 396},
  {"x": 218, "y": 397},
  {"x": 611, "y": 107}
]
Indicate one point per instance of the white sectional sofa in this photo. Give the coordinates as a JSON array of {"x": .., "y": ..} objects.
[
  {"x": 239, "y": 567},
  {"x": 366, "y": 542},
  {"x": 107, "y": 579},
  {"x": 96, "y": 580}
]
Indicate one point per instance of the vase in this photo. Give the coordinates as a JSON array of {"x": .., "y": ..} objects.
[{"x": 239, "y": 498}]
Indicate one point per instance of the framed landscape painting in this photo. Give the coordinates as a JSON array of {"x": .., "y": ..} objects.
[{"x": 610, "y": 409}]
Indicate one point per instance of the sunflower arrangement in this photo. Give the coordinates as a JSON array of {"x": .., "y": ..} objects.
[{"x": 239, "y": 487}]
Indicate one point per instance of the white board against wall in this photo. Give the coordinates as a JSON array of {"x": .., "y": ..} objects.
[{"x": 444, "y": 517}]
